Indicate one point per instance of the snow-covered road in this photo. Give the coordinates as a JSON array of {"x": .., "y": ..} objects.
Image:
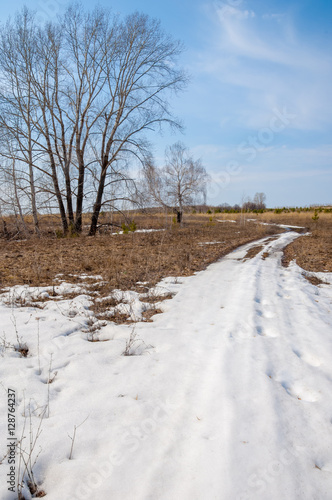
[
  {"x": 249, "y": 377},
  {"x": 230, "y": 400}
]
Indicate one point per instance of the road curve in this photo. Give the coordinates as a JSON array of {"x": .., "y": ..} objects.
[{"x": 246, "y": 373}]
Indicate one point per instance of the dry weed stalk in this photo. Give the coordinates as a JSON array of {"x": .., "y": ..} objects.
[
  {"x": 50, "y": 380},
  {"x": 129, "y": 349},
  {"x": 28, "y": 458},
  {"x": 133, "y": 344},
  {"x": 20, "y": 347},
  {"x": 73, "y": 438}
]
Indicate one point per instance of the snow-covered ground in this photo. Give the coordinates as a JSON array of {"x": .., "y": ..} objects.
[
  {"x": 140, "y": 231},
  {"x": 228, "y": 396}
]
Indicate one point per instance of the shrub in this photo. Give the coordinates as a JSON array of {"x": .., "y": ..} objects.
[
  {"x": 132, "y": 226},
  {"x": 315, "y": 217},
  {"x": 59, "y": 233}
]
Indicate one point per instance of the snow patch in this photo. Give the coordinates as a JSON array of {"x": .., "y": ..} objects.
[{"x": 232, "y": 401}]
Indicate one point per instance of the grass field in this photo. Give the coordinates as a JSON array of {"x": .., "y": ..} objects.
[
  {"x": 241, "y": 351},
  {"x": 125, "y": 259}
]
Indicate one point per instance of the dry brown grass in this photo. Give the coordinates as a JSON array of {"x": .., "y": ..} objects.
[
  {"x": 314, "y": 280},
  {"x": 313, "y": 252},
  {"x": 147, "y": 315},
  {"x": 124, "y": 260},
  {"x": 252, "y": 252}
]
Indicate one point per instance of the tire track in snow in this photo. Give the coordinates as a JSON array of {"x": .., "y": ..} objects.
[
  {"x": 255, "y": 431},
  {"x": 247, "y": 405},
  {"x": 226, "y": 376}
]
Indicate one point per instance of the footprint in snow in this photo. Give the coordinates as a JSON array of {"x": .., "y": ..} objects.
[
  {"x": 271, "y": 332},
  {"x": 269, "y": 313},
  {"x": 301, "y": 392},
  {"x": 308, "y": 357}
]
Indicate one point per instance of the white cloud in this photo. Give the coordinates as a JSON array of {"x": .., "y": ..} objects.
[
  {"x": 227, "y": 11},
  {"x": 245, "y": 36},
  {"x": 271, "y": 65}
]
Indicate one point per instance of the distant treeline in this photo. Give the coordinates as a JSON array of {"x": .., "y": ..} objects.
[{"x": 251, "y": 208}]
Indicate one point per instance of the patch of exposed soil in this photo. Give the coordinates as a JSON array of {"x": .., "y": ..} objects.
[
  {"x": 314, "y": 280},
  {"x": 252, "y": 252},
  {"x": 312, "y": 252}
]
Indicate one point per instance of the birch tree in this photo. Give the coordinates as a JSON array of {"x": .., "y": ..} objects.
[
  {"x": 181, "y": 182},
  {"x": 140, "y": 76},
  {"x": 17, "y": 108},
  {"x": 78, "y": 96}
]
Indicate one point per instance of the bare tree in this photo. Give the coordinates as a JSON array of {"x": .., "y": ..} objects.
[
  {"x": 259, "y": 201},
  {"x": 138, "y": 80},
  {"x": 76, "y": 97},
  {"x": 179, "y": 183},
  {"x": 13, "y": 189},
  {"x": 16, "y": 101},
  {"x": 90, "y": 38}
]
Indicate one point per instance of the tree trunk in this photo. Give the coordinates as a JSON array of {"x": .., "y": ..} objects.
[
  {"x": 180, "y": 210},
  {"x": 5, "y": 230},
  {"x": 32, "y": 187},
  {"x": 69, "y": 200},
  {"x": 33, "y": 201},
  {"x": 97, "y": 205},
  {"x": 58, "y": 195},
  {"x": 17, "y": 200},
  {"x": 178, "y": 216},
  {"x": 80, "y": 193}
]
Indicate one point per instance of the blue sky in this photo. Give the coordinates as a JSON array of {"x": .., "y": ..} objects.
[{"x": 258, "y": 110}]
